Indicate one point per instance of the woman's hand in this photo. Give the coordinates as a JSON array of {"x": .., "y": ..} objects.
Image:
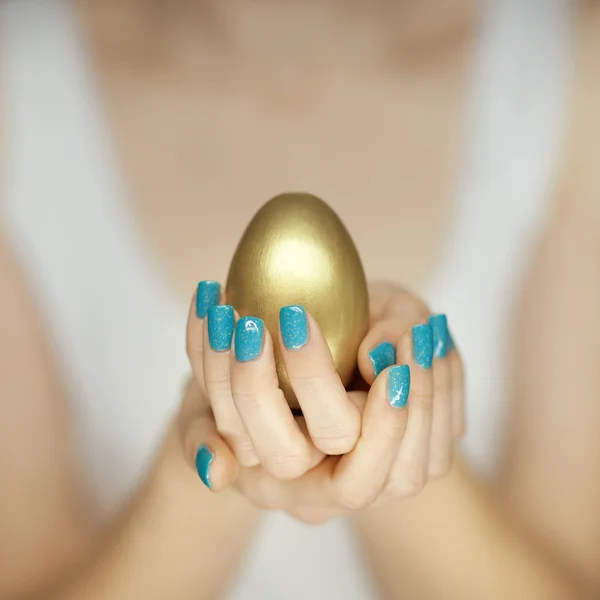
[{"x": 351, "y": 449}]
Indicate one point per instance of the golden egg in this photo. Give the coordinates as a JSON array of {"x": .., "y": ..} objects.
[{"x": 296, "y": 250}]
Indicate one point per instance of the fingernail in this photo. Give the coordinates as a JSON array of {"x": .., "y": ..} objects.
[
  {"x": 439, "y": 326},
  {"x": 451, "y": 345},
  {"x": 207, "y": 296},
  {"x": 423, "y": 345},
  {"x": 382, "y": 357},
  {"x": 248, "y": 338},
  {"x": 294, "y": 326},
  {"x": 220, "y": 327},
  {"x": 398, "y": 385},
  {"x": 204, "y": 458}
]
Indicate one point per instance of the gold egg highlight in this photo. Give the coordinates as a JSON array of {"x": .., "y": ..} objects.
[{"x": 296, "y": 250}]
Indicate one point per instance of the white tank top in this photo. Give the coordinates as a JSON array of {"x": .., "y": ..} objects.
[{"x": 118, "y": 329}]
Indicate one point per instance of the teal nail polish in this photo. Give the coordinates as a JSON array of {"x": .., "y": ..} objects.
[
  {"x": 220, "y": 327},
  {"x": 248, "y": 338},
  {"x": 382, "y": 357},
  {"x": 204, "y": 458},
  {"x": 451, "y": 345},
  {"x": 439, "y": 327},
  {"x": 398, "y": 385},
  {"x": 207, "y": 296},
  {"x": 423, "y": 345},
  {"x": 294, "y": 327}
]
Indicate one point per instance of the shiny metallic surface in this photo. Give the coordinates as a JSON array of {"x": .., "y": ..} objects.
[{"x": 296, "y": 251}]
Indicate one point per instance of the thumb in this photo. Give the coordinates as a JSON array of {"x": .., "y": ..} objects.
[
  {"x": 208, "y": 454},
  {"x": 205, "y": 450}
]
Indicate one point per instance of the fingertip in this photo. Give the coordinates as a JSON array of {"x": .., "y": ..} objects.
[
  {"x": 439, "y": 327},
  {"x": 215, "y": 466},
  {"x": 293, "y": 327},
  {"x": 378, "y": 350},
  {"x": 382, "y": 356},
  {"x": 208, "y": 293},
  {"x": 398, "y": 388},
  {"x": 220, "y": 325},
  {"x": 249, "y": 338}
]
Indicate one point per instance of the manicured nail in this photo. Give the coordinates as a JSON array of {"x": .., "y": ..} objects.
[
  {"x": 294, "y": 326},
  {"x": 207, "y": 296},
  {"x": 382, "y": 357},
  {"x": 423, "y": 345},
  {"x": 439, "y": 326},
  {"x": 451, "y": 345},
  {"x": 398, "y": 385},
  {"x": 203, "y": 459},
  {"x": 221, "y": 322},
  {"x": 248, "y": 338}
]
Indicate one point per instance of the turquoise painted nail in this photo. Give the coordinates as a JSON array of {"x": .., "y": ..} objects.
[
  {"x": 221, "y": 322},
  {"x": 294, "y": 327},
  {"x": 439, "y": 326},
  {"x": 248, "y": 338},
  {"x": 204, "y": 458},
  {"x": 423, "y": 345},
  {"x": 207, "y": 296},
  {"x": 398, "y": 385},
  {"x": 382, "y": 357}
]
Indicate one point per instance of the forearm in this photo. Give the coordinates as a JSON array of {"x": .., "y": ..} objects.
[
  {"x": 168, "y": 545},
  {"x": 454, "y": 541}
]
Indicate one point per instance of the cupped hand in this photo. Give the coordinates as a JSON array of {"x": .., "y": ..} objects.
[{"x": 351, "y": 449}]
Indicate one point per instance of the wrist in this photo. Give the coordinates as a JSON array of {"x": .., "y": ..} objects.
[{"x": 153, "y": 550}]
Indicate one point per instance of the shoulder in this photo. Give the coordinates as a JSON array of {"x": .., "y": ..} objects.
[{"x": 580, "y": 190}]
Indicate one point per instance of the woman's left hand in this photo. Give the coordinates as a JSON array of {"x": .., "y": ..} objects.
[{"x": 411, "y": 416}]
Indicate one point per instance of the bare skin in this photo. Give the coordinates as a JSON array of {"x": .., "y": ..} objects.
[
  {"x": 253, "y": 120},
  {"x": 544, "y": 530}
]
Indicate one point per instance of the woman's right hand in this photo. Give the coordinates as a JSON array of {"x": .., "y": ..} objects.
[{"x": 397, "y": 450}]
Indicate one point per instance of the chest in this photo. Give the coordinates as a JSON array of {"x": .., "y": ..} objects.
[{"x": 202, "y": 152}]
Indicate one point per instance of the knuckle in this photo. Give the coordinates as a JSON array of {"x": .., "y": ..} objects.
[
  {"x": 440, "y": 467},
  {"x": 311, "y": 518},
  {"x": 285, "y": 466},
  {"x": 248, "y": 458},
  {"x": 409, "y": 483},
  {"x": 244, "y": 451},
  {"x": 421, "y": 400},
  {"x": 250, "y": 400},
  {"x": 390, "y": 431},
  {"x": 217, "y": 382},
  {"x": 351, "y": 499},
  {"x": 193, "y": 347},
  {"x": 334, "y": 439}
]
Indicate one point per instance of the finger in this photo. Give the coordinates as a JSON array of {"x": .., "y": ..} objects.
[
  {"x": 316, "y": 456},
  {"x": 315, "y": 516},
  {"x": 206, "y": 295},
  {"x": 440, "y": 451},
  {"x": 457, "y": 390},
  {"x": 282, "y": 448},
  {"x": 218, "y": 336},
  {"x": 208, "y": 454},
  {"x": 389, "y": 300},
  {"x": 353, "y": 481},
  {"x": 311, "y": 490},
  {"x": 409, "y": 472},
  {"x": 360, "y": 475},
  {"x": 378, "y": 350},
  {"x": 333, "y": 420}
]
